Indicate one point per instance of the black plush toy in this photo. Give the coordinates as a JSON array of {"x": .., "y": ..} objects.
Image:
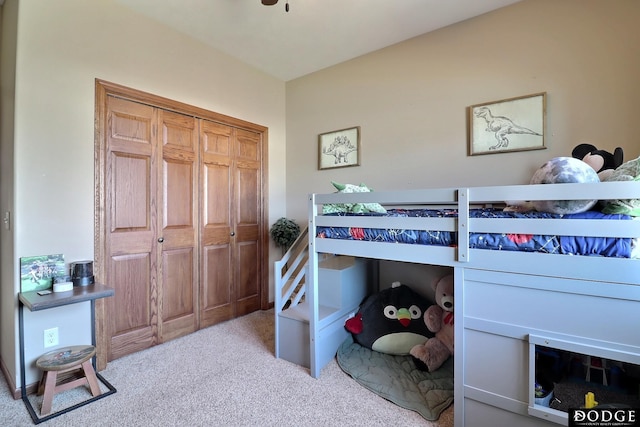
[
  {"x": 390, "y": 321},
  {"x": 601, "y": 161}
]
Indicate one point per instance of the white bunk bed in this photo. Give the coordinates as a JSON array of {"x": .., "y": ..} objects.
[{"x": 507, "y": 302}]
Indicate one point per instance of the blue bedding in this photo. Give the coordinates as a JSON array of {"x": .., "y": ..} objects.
[{"x": 598, "y": 246}]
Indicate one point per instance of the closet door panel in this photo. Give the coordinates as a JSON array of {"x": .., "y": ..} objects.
[
  {"x": 178, "y": 194},
  {"x": 247, "y": 296},
  {"x": 247, "y": 208},
  {"x": 217, "y": 297},
  {"x": 130, "y": 196},
  {"x": 177, "y": 268},
  {"x": 216, "y": 139},
  {"x": 216, "y": 196},
  {"x": 247, "y": 256},
  {"x": 132, "y": 269},
  {"x": 248, "y": 147},
  {"x": 130, "y": 247},
  {"x": 177, "y": 233},
  {"x": 132, "y": 327},
  {"x": 247, "y": 211},
  {"x": 178, "y": 298}
]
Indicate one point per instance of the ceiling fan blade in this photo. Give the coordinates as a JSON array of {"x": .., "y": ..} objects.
[{"x": 269, "y": 2}]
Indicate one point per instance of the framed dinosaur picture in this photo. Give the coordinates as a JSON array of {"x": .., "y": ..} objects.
[
  {"x": 339, "y": 148},
  {"x": 514, "y": 124}
]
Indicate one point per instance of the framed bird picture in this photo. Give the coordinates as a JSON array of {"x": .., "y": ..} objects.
[{"x": 514, "y": 124}]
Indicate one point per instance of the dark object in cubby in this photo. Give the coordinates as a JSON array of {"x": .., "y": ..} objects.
[
  {"x": 576, "y": 370},
  {"x": 616, "y": 379},
  {"x": 549, "y": 364}
]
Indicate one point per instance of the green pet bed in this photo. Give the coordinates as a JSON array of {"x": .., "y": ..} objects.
[{"x": 397, "y": 379}]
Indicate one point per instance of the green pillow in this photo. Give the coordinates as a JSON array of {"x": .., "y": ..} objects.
[
  {"x": 352, "y": 207},
  {"x": 629, "y": 171}
]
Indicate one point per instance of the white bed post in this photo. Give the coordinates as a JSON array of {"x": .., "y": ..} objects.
[
  {"x": 458, "y": 283},
  {"x": 459, "y": 356},
  {"x": 463, "y": 224},
  {"x": 312, "y": 290}
]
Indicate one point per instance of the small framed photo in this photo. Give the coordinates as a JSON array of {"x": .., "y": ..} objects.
[
  {"x": 339, "y": 149},
  {"x": 37, "y": 272},
  {"x": 514, "y": 124}
]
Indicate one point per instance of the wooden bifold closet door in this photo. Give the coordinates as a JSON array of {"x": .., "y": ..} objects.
[
  {"x": 183, "y": 243},
  {"x": 231, "y": 222}
]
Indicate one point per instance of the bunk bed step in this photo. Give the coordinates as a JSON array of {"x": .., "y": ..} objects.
[
  {"x": 295, "y": 339},
  {"x": 342, "y": 282},
  {"x": 300, "y": 312},
  {"x": 342, "y": 285},
  {"x": 293, "y": 336}
]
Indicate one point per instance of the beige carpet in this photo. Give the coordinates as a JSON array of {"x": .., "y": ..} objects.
[{"x": 223, "y": 375}]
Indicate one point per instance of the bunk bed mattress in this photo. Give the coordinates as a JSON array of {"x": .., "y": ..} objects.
[{"x": 570, "y": 245}]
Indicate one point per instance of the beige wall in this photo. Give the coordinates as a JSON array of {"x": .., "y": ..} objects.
[
  {"x": 8, "y": 31},
  {"x": 410, "y": 99},
  {"x": 62, "y": 47}
]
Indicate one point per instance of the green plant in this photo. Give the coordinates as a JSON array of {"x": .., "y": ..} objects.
[{"x": 284, "y": 232}]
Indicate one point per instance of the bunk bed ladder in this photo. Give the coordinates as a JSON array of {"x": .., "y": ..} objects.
[{"x": 290, "y": 278}]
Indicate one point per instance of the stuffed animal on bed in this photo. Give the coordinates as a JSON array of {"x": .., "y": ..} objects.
[
  {"x": 562, "y": 170},
  {"x": 390, "y": 321},
  {"x": 558, "y": 170},
  {"x": 629, "y": 171},
  {"x": 587, "y": 164},
  {"x": 439, "y": 320},
  {"x": 603, "y": 162},
  {"x": 352, "y": 207}
]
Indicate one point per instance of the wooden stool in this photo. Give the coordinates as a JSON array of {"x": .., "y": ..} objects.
[{"x": 66, "y": 359}]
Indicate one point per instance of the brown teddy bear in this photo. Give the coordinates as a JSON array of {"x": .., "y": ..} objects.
[{"x": 439, "y": 319}]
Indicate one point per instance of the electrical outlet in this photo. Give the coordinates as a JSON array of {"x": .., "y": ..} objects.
[{"x": 50, "y": 337}]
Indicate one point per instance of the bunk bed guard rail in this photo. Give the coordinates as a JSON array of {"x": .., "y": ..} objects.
[{"x": 462, "y": 200}]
